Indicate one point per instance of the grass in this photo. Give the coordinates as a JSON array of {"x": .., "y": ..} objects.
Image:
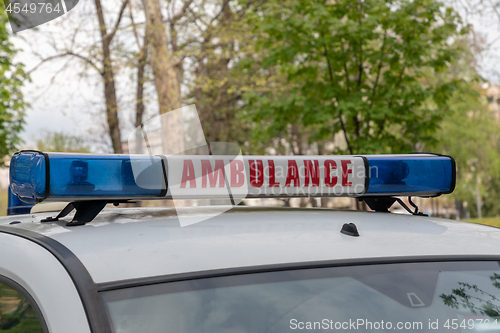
[
  {"x": 3, "y": 202},
  {"x": 493, "y": 221}
]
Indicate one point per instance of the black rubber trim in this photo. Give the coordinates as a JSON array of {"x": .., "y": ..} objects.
[
  {"x": 86, "y": 287},
  {"x": 367, "y": 173},
  {"x": 47, "y": 175},
  {"x": 107, "y": 286},
  {"x": 454, "y": 175},
  {"x": 17, "y": 287},
  {"x": 47, "y": 170},
  {"x": 164, "y": 165}
]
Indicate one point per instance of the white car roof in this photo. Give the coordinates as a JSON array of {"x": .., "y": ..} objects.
[{"x": 131, "y": 243}]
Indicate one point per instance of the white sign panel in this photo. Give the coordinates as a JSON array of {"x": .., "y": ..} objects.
[{"x": 265, "y": 176}]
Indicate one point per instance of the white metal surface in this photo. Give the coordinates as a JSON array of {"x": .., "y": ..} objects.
[
  {"x": 133, "y": 243},
  {"x": 46, "y": 280}
]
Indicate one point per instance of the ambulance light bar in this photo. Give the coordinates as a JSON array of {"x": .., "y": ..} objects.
[{"x": 37, "y": 176}]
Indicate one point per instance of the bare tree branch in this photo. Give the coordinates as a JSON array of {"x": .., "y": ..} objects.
[
  {"x": 339, "y": 111},
  {"x": 134, "y": 28},
  {"x": 120, "y": 15},
  {"x": 198, "y": 18},
  {"x": 379, "y": 68},
  {"x": 179, "y": 15},
  {"x": 495, "y": 9},
  {"x": 224, "y": 4},
  {"x": 69, "y": 53}
]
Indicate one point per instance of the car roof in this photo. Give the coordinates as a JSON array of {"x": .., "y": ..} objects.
[{"x": 131, "y": 243}]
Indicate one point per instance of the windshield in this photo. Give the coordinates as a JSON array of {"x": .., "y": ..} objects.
[{"x": 427, "y": 297}]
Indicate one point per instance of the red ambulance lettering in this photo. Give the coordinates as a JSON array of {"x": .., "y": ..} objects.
[
  {"x": 292, "y": 174},
  {"x": 345, "y": 172},
  {"x": 272, "y": 174},
  {"x": 312, "y": 172},
  {"x": 206, "y": 169},
  {"x": 237, "y": 176},
  {"x": 188, "y": 174},
  {"x": 329, "y": 166},
  {"x": 257, "y": 176}
]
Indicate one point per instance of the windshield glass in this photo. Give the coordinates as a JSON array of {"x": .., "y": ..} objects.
[{"x": 456, "y": 296}]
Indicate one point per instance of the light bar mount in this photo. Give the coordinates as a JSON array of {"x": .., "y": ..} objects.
[
  {"x": 86, "y": 211},
  {"x": 382, "y": 204}
]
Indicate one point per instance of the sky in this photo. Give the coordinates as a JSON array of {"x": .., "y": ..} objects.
[
  {"x": 59, "y": 106},
  {"x": 57, "y": 101},
  {"x": 65, "y": 96},
  {"x": 63, "y": 100}
]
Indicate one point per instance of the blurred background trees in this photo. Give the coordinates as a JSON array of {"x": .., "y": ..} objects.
[
  {"x": 362, "y": 69},
  {"x": 62, "y": 142},
  {"x": 12, "y": 76},
  {"x": 279, "y": 77}
]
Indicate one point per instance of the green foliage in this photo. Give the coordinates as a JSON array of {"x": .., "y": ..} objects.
[
  {"x": 366, "y": 67},
  {"x": 491, "y": 202},
  {"x": 470, "y": 297},
  {"x": 61, "y": 142},
  {"x": 12, "y": 105},
  {"x": 225, "y": 66},
  {"x": 491, "y": 221},
  {"x": 469, "y": 134},
  {"x": 16, "y": 313}
]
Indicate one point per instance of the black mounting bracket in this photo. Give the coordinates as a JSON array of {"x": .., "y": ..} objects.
[
  {"x": 379, "y": 204},
  {"x": 382, "y": 204},
  {"x": 86, "y": 211}
]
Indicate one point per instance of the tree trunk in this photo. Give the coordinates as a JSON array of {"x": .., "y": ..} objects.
[
  {"x": 109, "y": 83},
  {"x": 324, "y": 202},
  {"x": 168, "y": 87},
  {"x": 179, "y": 71},
  {"x": 460, "y": 209},
  {"x": 141, "y": 64},
  {"x": 163, "y": 61}
]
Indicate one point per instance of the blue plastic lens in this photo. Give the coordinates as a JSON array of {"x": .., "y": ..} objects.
[
  {"x": 16, "y": 206},
  {"x": 419, "y": 175},
  {"x": 79, "y": 171},
  {"x": 103, "y": 176},
  {"x": 86, "y": 176},
  {"x": 28, "y": 176}
]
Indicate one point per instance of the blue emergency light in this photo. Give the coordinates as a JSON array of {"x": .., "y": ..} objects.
[
  {"x": 413, "y": 175},
  {"x": 85, "y": 178},
  {"x": 37, "y": 176}
]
